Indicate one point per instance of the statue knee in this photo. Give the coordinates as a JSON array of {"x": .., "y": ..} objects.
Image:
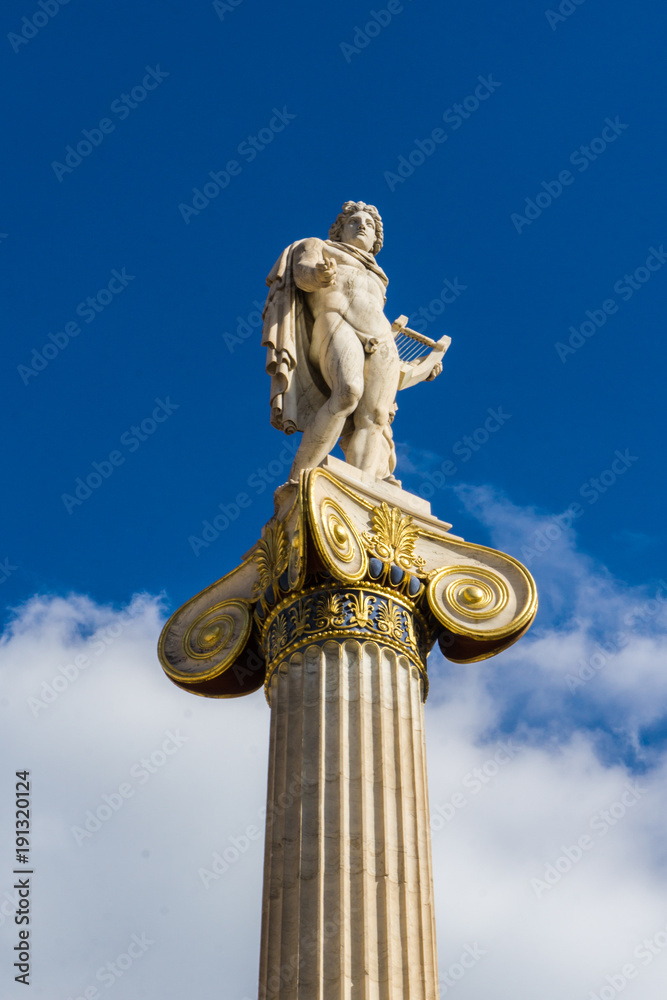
[{"x": 346, "y": 400}]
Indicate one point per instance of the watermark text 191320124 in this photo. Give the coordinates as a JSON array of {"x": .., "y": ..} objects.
[{"x": 22, "y": 885}]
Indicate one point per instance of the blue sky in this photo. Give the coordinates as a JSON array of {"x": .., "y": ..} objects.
[
  {"x": 162, "y": 335},
  {"x": 529, "y": 223}
]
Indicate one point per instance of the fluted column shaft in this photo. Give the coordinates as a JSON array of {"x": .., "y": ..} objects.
[{"x": 348, "y": 888}]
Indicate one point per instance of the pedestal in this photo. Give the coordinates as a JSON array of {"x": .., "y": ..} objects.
[{"x": 334, "y": 612}]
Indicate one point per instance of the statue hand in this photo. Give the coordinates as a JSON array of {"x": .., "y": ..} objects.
[
  {"x": 325, "y": 271},
  {"x": 435, "y": 371}
]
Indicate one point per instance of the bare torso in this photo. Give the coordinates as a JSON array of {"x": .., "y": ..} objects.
[
  {"x": 352, "y": 345},
  {"x": 357, "y": 294}
]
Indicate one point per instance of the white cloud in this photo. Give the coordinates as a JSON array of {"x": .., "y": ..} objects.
[{"x": 524, "y": 810}]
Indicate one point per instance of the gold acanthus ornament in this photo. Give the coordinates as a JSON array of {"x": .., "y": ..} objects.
[
  {"x": 393, "y": 537},
  {"x": 361, "y": 608},
  {"x": 330, "y": 611},
  {"x": 390, "y": 620},
  {"x": 271, "y": 555}
]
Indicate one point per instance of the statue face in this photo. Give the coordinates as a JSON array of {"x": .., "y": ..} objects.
[{"x": 359, "y": 231}]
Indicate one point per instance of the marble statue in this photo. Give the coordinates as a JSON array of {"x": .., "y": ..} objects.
[{"x": 331, "y": 351}]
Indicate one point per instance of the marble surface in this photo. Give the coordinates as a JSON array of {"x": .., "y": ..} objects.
[
  {"x": 331, "y": 351},
  {"x": 348, "y": 886}
]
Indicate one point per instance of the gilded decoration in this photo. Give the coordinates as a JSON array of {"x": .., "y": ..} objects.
[
  {"x": 361, "y": 608},
  {"x": 210, "y": 643},
  {"x": 477, "y": 602},
  {"x": 317, "y": 575},
  {"x": 338, "y": 542},
  {"x": 361, "y": 613},
  {"x": 339, "y": 531},
  {"x": 390, "y": 619},
  {"x": 271, "y": 555},
  {"x": 329, "y": 610},
  {"x": 393, "y": 537},
  {"x": 295, "y": 559}
]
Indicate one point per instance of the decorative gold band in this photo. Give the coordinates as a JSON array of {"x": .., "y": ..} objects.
[{"x": 342, "y": 612}]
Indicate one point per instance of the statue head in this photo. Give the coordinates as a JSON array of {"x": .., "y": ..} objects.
[{"x": 359, "y": 225}]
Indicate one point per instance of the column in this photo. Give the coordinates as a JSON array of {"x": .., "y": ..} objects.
[{"x": 348, "y": 888}]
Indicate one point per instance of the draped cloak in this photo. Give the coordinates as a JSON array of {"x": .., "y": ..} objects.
[{"x": 297, "y": 387}]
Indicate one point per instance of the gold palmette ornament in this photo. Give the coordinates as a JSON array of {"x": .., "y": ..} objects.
[{"x": 334, "y": 563}]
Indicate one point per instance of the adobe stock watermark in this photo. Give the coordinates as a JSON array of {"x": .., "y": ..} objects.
[
  {"x": 645, "y": 952},
  {"x": 449, "y": 293},
  {"x": 88, "y": 310},
  {"x": 464, "y": 449},
  {"x": 98, "y": 644},
  {"x": 454, "y": 116},
  {"x": 131, "y": 439},
  {"x": 121, "y": 107},
  {"x": 142, "y": 770},
  {"x": 31, "y": 26},
  {"x": 9, "y": 904},
  {"x": 249, "y": 149},
  {"x": 259, "y": 481},
  {"x": 600, "y": 823},
  {"x": 544, "y": 537},
  {"x": 240, "y": 844},
  {"x": 451, "y": 289},
  {"x": 222, "y": 7},
  {"x": 245, "y": 327},
  {"x": 472, "y": 784},
  {"x": 310, "y": 945},
  {"x": 565, "y": 10},
  {"x": 625, "y": 288},
  {"x": 468, "y": 959},
  {"x": 222, "y": 862},
  {"x": 377, "y": 21},
  {"x": 6, "y": 570},
  {"x": 606, "y": 650},
  {"x": 109, "y": 973},
  {"x": 581, "y": 158}
]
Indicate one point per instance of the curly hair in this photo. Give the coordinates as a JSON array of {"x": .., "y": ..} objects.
[{"x": 349, "y": 208}]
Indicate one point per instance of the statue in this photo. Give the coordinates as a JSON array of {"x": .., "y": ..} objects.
[{"x": 332, "y": 354}]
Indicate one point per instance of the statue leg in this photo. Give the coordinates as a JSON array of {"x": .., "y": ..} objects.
[
  {"x": 370, "y": 446},
  {"x": 341, "y": 360}
]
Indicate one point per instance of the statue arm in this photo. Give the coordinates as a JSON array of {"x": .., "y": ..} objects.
[{"x": 311, "y": 268}]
